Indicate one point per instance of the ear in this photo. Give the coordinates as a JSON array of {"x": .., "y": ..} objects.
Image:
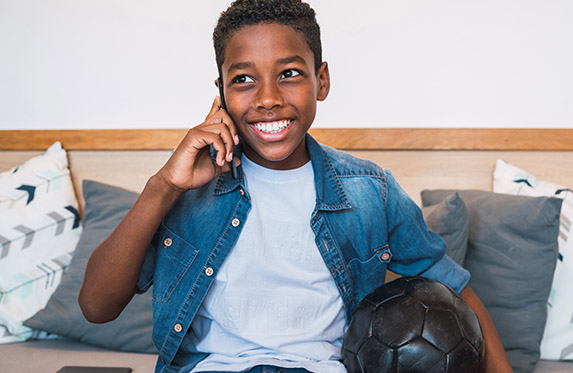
[
  {"x": 323, "y": 78},
  {"x": 217, "y": 82}
]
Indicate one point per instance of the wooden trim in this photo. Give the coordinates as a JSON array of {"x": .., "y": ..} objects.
[
  {"x": 92, "y": 139},
  {"x": 446, "y": 139},
  {"x": 343, "y": 138}
]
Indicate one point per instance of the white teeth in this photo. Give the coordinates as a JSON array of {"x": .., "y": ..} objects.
[{"x": 272, "y": 127}]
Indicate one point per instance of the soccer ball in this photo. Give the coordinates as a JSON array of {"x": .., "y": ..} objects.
[{"x": 413, "y": 324}]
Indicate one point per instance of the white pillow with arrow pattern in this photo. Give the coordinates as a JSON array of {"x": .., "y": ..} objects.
[{"x": 39, "y": 229}]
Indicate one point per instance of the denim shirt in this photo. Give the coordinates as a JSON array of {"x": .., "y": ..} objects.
[{"x": 364, "y": 224}]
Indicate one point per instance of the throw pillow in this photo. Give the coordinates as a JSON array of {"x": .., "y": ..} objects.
[
  {"x": 512, "y": 250},
  {"x": 39, "y": 228},
  {"x": 557, "y": 342},
  {"x": 451, "y": 220},
  {"x": 105, "y": 206}
]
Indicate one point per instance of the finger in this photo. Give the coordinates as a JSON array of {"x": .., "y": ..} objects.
[
  {"x": 221, "y": 164},
  {"x": 234, "y": 132},
  {"x": 231, "y": 136},
  {"x": 228, "y": 139},
  {"x": 218, "y": 114},
  {"x": 227, "y": 166},
  {"x": 223, "y": 130},
  {"x": 226, "y": 118},
  {"x": 214, "y": 108},
  {"x": 199, "y": 139},
  {"x": 216, "y": 141},
  {"x": 221, "y": 150}
]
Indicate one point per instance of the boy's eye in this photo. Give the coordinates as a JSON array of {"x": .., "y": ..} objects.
[
  {"x": 242, "y": 79},
  {"x": 290, "y": 73}
]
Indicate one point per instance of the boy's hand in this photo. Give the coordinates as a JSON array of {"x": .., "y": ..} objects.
[{"x": 191, "y": 166}]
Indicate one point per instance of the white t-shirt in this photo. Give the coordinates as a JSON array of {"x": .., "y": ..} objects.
[{"x": 273, "y": 301}]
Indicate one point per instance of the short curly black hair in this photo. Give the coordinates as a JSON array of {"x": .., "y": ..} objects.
[{"x": 294, "y": 13}]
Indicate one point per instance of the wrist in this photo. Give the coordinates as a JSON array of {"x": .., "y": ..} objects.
[{"x": 161, "y": 187}]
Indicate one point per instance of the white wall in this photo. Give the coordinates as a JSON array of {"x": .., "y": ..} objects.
[{"x": 394, "y": 63}]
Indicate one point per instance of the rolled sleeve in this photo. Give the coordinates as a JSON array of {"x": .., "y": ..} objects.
[
  {"x": 448, "y": 272},
  {"x": 417, "y": 250}
]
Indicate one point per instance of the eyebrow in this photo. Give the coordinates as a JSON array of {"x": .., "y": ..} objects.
[
  {"x": 282, "y": 61},
  {"x": 240, "y": 66},
  {"x": 287, "y": 60}
]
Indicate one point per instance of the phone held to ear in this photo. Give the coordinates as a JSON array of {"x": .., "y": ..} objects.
[{"x": 224, "y": 106}]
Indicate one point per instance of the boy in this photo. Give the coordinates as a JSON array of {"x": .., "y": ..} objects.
[{"x": 262, "y": 272}]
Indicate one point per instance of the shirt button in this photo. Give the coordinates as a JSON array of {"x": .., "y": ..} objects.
[
  {"x": 167, "y": 242},
  {"x": 178, "y": 328},
  {"x": 209, "y": 271},
  {"x": 385, "y": 256},
  {"x": 236, "y": 222}
]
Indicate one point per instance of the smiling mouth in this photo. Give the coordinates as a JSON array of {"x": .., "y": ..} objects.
[{"x": 272, "y": 127}]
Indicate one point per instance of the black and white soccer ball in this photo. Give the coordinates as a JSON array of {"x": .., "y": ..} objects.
[{"x": 413, "y": 324}]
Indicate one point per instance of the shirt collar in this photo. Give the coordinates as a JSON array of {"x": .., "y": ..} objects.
[
  {"x": 226, "y": 182},
  {"x": 330, "y": 194}
]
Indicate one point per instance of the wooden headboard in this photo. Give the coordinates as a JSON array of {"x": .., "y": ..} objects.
[{"x": 419, "y": 158}]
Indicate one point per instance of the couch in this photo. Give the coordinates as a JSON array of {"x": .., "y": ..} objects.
[{"x": 421, "y": 159}]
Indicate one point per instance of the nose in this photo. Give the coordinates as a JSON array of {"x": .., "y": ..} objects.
[{"x": 268, "y": 96}]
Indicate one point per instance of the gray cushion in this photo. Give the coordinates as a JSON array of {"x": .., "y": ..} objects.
[
  {"x": 105, "y": 206},
  {"x": 512, "y": 251},
  {"x": 450, "y": 219}
]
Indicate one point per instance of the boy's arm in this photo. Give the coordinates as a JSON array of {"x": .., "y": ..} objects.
[
  {"x": 495, "y": 359},
  {"x": 113, "y": 268}
]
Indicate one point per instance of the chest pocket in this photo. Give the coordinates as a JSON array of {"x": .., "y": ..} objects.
[
  {"x": 174, "y": 257},
  {"x": 370, "y": 273}
]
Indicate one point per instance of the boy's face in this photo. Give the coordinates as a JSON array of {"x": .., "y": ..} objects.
[{"x": 271, "y": 92}]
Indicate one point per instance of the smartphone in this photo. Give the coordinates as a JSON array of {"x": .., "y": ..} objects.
[
  {"x": 82, "y": 369},
  {"x": 224, "y": 106}
]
